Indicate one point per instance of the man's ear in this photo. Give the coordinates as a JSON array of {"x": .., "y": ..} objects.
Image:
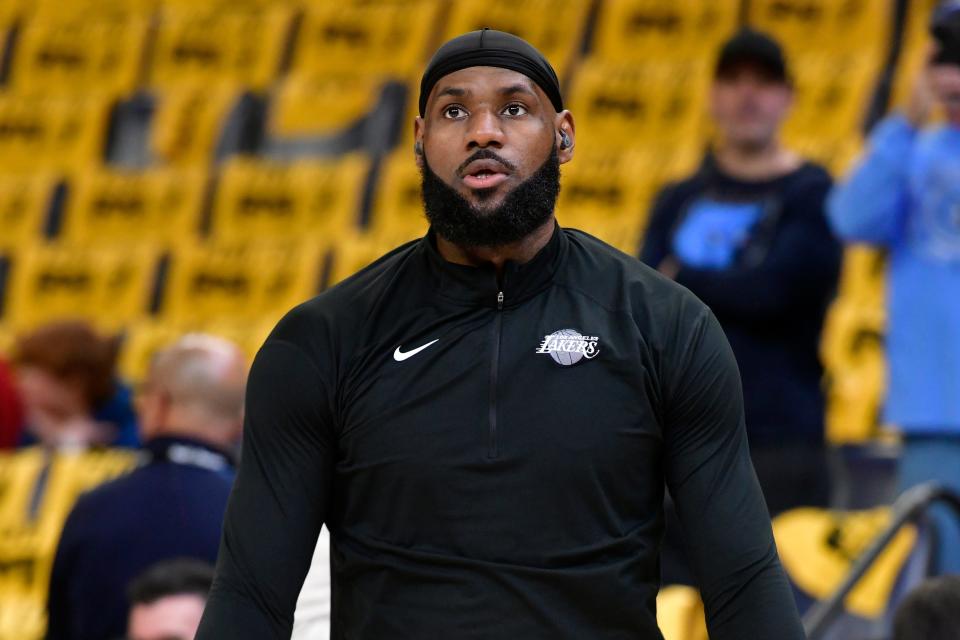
[
  {"x": 566, "y": 135},
  {"x": 418, "y": 141}
]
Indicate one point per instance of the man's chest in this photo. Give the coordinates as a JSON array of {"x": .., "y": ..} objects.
[{"x": 549, "y": 394}]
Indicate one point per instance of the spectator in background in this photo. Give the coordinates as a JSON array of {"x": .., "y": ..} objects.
[
  {"x": 191, "y": 412},
  {"x": 930, "y": 612},
  {"x": 11, "y": 410},
  {"x": 904, "y": 196},
  {"x": 748, "y": 235},
  {"x": 65, "y": 374},
  {"x": 167, "y": 600}
]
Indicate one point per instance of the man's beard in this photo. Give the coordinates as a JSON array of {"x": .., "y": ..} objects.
[{"x": 523, "y": 210}]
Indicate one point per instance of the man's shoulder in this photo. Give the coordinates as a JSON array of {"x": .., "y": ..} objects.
[
  {"x": 811, "y": 174},
  {"x": 116, "y": 500},
  {"x": 110, "y": 500}
]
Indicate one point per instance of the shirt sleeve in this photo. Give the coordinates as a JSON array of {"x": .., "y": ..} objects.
[
  {"x": 279, "y": 498},
  {"x": 870, "y": 205},
  {"x": 721, "y": 508}
]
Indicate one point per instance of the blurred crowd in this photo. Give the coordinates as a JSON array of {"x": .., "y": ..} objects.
[{"x": 112, "y": 496}]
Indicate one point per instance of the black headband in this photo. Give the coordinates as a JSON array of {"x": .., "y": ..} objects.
[{"x": 489, "y": 48}]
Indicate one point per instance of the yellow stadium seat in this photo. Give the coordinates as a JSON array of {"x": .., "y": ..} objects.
[
  {"x": 315, "y": 199},
  {"x": 853, "y": 356},
  {"x": 70, "y": 56},
  {"x": 59, "y": 134},
  {"x": 354, "y": 251},
  {"x": 863, "y": 278},
  {"x": 852, "y": 350},
  {"x": 188, "y": 121},
  {"x": 84, "y": 9},
  {"x": 832, "y": 93},
  {"x": 309, "y": 104},
  {"x": 913, "y": 52},
  {"x": 344, "y": 38},
  {"x": 160, "y": 206},
  {"x": 108, "y": 287},
  {"x": 818, "y": 548},
  {"x": 837, "y": 154},
  {"x": 398, "y": 209},
  {"x": 142, "y": 340},
  {"x": 608, "y": 193},
  {"x": 555, "y": 27},
  {"x": 209, "y": 46},
  {"x": 639, "y": 29},
  {"x": 25, "y": 203},
  {"x": 7, "y": 338},
  {"x": 861, "y": 26},
  {"x": 209, "y": 283},
  {"x": 29, "y": 542},
  {"x": 622, "y": 105}
]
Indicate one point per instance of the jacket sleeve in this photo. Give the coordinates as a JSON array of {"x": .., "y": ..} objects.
[
  {"x": 279, "y": 498},
  {"x": 870, "y": 205},
  {"x": 798, "y": 273},
  {"x": 655, "y": 244},
  {"x": 708, "y": 471}
]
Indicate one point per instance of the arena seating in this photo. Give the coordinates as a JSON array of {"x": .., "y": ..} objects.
[{"x": 181, "y": 165}]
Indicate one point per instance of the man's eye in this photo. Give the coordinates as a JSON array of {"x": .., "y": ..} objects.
[
  {"x": 515, "y": 110},
  {"x": 453, "y": 112}
]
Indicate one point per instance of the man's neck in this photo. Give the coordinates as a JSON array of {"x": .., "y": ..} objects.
[
  {"x": 521, "y": 251},
  {"x": 756, "y": 163}
]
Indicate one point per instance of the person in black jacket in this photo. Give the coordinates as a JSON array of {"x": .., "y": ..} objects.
[
  {"x": 484, "y": 418},
  {"x": 172, "y": 506},
  {"x": 747, "y": 234}
]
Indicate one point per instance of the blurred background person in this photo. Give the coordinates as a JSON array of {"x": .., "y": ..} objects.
[
  {"x": 167, "y": 600},
  {"x": 11, "y": 410},
  {"x": 65, "y": 374},
  {"x": 748, "y": 235},
  {"x": 904, "y": 196},
  {"x": 930, "y": 612},
  {"x": 190, "y": 412}
]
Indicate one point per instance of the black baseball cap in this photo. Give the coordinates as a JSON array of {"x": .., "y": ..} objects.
[{"x": 749, "y": 47}]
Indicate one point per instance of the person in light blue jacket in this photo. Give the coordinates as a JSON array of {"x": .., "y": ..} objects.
[{"x": 904, "y": 196}]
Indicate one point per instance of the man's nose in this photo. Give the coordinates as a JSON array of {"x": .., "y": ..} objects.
[{"x": 485, "y": 131}]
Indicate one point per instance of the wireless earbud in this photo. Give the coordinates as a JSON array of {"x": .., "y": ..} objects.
[
  {"x": 418, "y": 148},
  {"x": 564, "y": 140}
]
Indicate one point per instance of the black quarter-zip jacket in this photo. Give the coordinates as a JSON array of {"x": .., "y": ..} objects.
[{"x": 490, "y": 457}]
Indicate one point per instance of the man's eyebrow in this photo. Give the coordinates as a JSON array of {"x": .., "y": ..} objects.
[
  {"x": 516, "y": 88},
  {"x": 451, "y": 91}
]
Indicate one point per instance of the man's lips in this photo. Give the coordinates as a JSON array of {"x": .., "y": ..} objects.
[{"x": 484, "y": 174}]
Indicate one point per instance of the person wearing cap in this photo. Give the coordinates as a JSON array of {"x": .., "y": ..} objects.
[
  {"x": 904, "y": 196},
  {"x": 484, "y": 418},
  {"x": 747, "y": 234}
]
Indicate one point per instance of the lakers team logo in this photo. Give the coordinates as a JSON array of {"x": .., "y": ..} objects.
[{"x": 567, "y": 346}]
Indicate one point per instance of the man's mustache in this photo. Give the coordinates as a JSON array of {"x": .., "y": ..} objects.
[{"x": 485, "y": 154}]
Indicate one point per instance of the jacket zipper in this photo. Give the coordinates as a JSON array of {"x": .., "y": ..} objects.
[{"x": 492, "y": 451}]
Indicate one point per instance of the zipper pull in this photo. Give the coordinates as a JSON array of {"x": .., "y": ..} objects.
[{"x": 499, "y": 300}]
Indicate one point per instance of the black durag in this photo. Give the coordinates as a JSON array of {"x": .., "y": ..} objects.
[{"x": 490, "y": 48}]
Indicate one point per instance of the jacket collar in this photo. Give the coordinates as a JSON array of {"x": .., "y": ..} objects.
[
  {"x": 187, "y": 451},
  {"x": 478, "y": 285}
]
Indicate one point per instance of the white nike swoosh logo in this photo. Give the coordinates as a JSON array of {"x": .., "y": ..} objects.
[{"x": 400, "y": 356}]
